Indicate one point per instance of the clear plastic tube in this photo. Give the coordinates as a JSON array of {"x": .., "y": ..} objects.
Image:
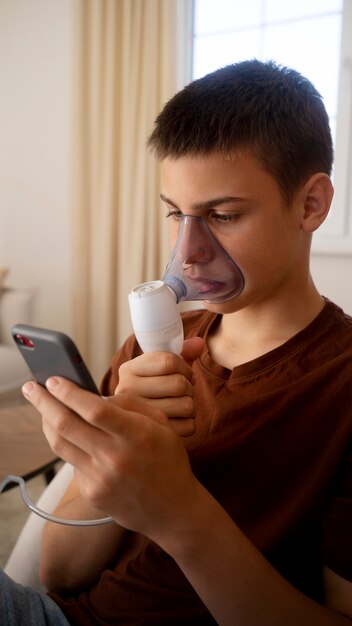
[{"x": 48, "y": 516}]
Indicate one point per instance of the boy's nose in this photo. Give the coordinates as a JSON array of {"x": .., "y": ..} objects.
[
  {"x": 194, "y": 244},
  {"x": 200, "y": 255}
]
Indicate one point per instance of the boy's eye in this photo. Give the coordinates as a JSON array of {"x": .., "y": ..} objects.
[
  {"x": 218, "y": 222},
  {"x": 224, "y": 218},
  {"x": 175, "y": 215}
]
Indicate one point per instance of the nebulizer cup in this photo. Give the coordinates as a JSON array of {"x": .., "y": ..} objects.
[
  {"x": 155, "y": 317},
  {"x": 199, "y": 269}
]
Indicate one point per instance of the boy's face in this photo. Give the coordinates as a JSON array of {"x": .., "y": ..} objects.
[{"x": 245, "y": 210}]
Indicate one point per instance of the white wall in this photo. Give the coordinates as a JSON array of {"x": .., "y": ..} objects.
[
  {"x": 333, "y": 277},
  {"x": 35, "y": 101},
  {"x": 35, "y": 113}
]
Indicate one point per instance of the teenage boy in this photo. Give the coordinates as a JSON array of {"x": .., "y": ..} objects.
[{"x": 230, "y": 467}]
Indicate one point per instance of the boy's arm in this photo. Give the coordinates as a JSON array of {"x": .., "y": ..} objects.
[
  {"x": 338, "y": 592},
  {"x": 237, "y": 584},
  {"x": 147, "y": 485},
  {"x": 72, "y": 558}
]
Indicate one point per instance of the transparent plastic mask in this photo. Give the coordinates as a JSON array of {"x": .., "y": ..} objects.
[{"x": 199, "y": 267}]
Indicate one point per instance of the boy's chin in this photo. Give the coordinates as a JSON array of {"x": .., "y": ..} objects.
[{"x": 230, "y": 306}]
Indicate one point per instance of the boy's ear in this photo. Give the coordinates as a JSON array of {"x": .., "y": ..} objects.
[{"x": 317, "y": 196}]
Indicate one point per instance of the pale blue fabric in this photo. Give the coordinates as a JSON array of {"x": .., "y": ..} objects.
[{"x": 22, "y": 606}]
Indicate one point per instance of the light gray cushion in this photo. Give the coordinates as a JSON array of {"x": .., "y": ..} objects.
[{"x": 23, "y": 564}]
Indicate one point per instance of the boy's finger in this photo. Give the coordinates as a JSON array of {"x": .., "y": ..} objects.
[
  {"x": 112, "y": 415},
  {"x": 192, "y": 348}
]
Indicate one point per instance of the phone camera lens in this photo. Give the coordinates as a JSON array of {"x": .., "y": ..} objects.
[{"x": 24, "y": 341}]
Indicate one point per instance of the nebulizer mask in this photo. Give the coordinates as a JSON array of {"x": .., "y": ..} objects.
[{"x": 199, "y": 269}]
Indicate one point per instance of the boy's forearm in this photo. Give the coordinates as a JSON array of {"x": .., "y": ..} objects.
[
  {"x": 72, "y": 558},
  {"x": 233, "y": 579}
]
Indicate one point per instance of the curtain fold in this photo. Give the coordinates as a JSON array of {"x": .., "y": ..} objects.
[{"x": 131, "y": 57}]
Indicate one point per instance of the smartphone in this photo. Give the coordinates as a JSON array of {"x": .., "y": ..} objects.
[{"x": 52, "y": 353}]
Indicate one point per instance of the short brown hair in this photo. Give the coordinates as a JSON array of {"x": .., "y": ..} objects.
[{"x": 270, "y": 110}]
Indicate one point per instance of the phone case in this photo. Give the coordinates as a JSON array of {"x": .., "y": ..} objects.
[{"x": 52, "y": 353}]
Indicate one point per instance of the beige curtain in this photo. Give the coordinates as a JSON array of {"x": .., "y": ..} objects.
[{"x": 132, "y": 55}]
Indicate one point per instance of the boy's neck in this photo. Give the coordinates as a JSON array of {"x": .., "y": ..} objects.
[{"x": 256, "y": 330}]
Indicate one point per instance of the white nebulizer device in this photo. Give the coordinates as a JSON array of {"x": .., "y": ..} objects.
[{"x": 155, "y": 317}]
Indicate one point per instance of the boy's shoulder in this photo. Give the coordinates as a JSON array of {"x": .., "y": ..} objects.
[{"x": 339, "y": 321}]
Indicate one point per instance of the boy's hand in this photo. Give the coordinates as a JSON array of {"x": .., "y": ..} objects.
[
  {"x": 128, "y": 460},
  {"x": 165, "y": 381}
]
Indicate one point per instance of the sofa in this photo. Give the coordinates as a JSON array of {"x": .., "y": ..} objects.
[
  {"x": 23, "y": 563},
  {"x": 16, "y": 305}
]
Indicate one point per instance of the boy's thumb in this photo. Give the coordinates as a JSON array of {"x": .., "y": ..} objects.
[{"x": 192, "y": 348}]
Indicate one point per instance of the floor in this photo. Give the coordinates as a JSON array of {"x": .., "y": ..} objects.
[
  {"x": 13, "y": 514},
  {"x": 13, "y": 511}
]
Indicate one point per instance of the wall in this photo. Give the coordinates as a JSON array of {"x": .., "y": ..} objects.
[
  {"x": 333, "y": 276},
  {"x": 36, "y": 91},
  {"x": 35, "y": 112}
]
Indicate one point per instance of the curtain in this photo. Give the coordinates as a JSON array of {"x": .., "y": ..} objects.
[{"x": 131, "y": 57}]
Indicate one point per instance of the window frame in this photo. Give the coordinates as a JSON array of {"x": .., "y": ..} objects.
[
  {"x": 335, "y": 236},
  {"x": 338, "y": 238}
]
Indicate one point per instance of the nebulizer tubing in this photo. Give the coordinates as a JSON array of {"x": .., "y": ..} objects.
[
  {"x": 199, "y": 269},
  {"x": 48, "y": 516}
]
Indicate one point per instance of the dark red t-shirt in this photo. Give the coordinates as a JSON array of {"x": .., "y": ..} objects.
[{"x": 273, "y": 444}]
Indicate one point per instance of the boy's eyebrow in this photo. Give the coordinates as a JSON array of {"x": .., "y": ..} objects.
[{"x": 207, "y": 204}]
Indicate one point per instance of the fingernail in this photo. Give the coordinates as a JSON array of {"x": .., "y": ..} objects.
[
  {"x": 52, "y": 383},
  {"x": 27, "y": 389}
]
